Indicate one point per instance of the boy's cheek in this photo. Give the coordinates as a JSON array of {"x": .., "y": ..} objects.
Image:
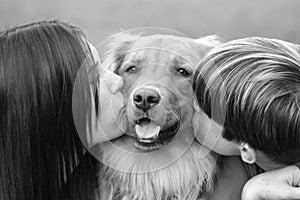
[
  {"x": 195, "y": 124},
  {"x": 200, "y": 126},
  {"x": 209, "y": 133}
]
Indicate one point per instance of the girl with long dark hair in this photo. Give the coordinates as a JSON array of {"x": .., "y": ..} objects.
[{"x": 41, "y": 155}]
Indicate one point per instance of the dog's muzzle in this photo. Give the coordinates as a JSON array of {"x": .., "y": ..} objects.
[{"x": 150, "y": 105}]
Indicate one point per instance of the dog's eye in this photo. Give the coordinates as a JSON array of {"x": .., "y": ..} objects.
[
  {"x": 183, "y": 72},
  {"x": 131, "y": 69}
]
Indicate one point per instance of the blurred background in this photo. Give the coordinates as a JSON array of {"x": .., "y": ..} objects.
[{"x": 229, "y": 19}]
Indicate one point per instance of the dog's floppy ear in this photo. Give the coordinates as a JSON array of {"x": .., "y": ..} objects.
[
  {"x": 209, "y": 42},
  {"x": 118, "y": 45}
]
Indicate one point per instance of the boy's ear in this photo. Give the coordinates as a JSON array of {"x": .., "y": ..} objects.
[{"x": 248, "y": 154}]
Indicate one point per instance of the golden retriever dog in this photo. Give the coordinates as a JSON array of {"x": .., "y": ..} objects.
[{"x": 157, "y": 158}]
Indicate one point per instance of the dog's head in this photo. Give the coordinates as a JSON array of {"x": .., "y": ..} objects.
[{"x": 158, "y": 71}]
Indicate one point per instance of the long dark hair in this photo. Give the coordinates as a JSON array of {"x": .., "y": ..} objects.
[{"x": 39, "y": 147}]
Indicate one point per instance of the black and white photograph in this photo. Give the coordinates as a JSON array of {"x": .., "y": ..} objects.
[{"x": 149, "y": 100}]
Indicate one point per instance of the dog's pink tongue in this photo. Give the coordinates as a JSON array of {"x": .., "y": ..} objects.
[{"x": 148, "y": 130}]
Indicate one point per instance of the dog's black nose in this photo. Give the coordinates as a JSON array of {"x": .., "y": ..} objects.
[{"x": 146, "y": 98}]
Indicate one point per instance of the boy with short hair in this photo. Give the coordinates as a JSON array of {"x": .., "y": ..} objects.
[{"x": 249, "y": 90}]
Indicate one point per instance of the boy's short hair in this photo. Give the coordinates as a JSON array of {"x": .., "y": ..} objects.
[{"x": 258, "y": 82}]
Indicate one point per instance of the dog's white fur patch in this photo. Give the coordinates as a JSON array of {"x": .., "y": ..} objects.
[
  {"x": 186, "y": 178},
  {"x": 210, "y": 41}
]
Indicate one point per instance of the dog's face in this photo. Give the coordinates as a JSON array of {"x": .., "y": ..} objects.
[{"x": 158, "y": 71}]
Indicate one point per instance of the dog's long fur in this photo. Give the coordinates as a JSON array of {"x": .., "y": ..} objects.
[{"x": 176, "y": 171}]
